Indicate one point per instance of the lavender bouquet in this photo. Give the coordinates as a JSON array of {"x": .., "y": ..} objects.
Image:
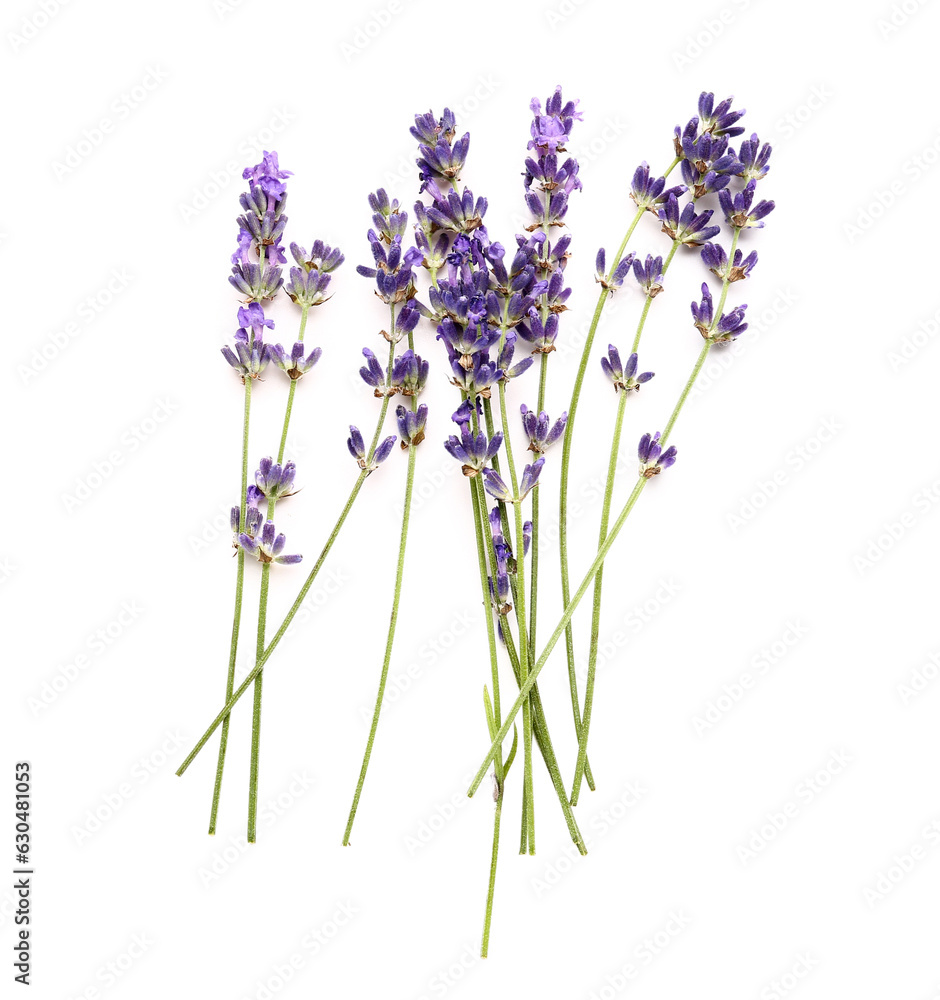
[{"x": 497, "y": 312}]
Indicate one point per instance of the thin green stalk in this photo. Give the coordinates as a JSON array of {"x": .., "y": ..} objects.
[
  {"x": 565, "y": 465},
  {"x": 237, "y": 615},
  {"x": 288, "y": 618},
  {"x": 256, "y": 711},
  {"x": 494, "y": 674},
  {"x": 528, "y": 839},
  {"x": 263, "y": 615},
  {"x": 570, "y": 608},
  {"x": 596, "y": 617},
  {"x": 389, "y": 642},
  {"x": 599, "y": 579}
]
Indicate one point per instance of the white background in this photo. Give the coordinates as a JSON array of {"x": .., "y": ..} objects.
[{"x": 116, "y": 271}]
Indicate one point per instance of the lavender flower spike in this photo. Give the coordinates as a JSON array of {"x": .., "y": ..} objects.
[
  {"x": 411, "y": 425},
  {"x": 739, "y": 211},
  {"x": 688, "y": 228},
  {"x": 273, "y": 480},
  {"x": 649, "y": 274},
  {"x": 357, "y": 449},
  {"x": 650, "y": 192},
  {"x": 716, "y": 260},
  {"x": 652, "y": 457},
  {"x": 623, "y": 376},
  {"x": 540, "y": 431},
  {"x": 496, "y": 487},
  {"x": 728, "y": 325},
  {"x": 294, "y": 365},
  {"x": 718, "y": 119},
  {"x": 615, "y": 279},
  {"x": 268, "y": 547},
  {"x": 753, "y": 159},
  {"x": 474, "y": 451}
]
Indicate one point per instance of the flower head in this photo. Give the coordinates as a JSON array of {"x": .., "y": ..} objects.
[
  {"x": 739, "y": 210},
  {"x": 541, "y": 432},
  {"x": 541, "y": 335},
  {"x": 496, "y": 487},
  {"x": 322, "y": 257},
  {"x": 411, "y": 425},
  {"x": 550, "y": 130},
  {"x": 611, "y": 282},
  {"x": 357, "y": 449},
  {"x": 716, "y": 260},
  {"x": 294, "y": 365},
  {"x": 718, "y": 119},
  {"x": 687, "y": 227},
  {"x": 753, "y": 159},
  {"x": 265, "y": 545},
  {"x": 652, "y": 457},
  {"x": 273, "y": 480},
  {"x": 307, "y": 288},
  {"x": 623, "y": 376},
  {"x": 473, "y": 451},
  {"x": 649, "y": 274}
]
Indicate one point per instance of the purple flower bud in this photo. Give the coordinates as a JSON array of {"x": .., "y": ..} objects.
[
  {"x": 652, "y": 458},
  {"x": 411, "y": 425},
  {"x": 623, "y": 376},
  {"x": 688, "y": 227},
  {"x": 716, "y": 260},
  {"x": 542, "y": 434},
  {"x": 739, "y": 211}
]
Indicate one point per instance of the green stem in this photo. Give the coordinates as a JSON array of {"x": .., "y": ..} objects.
[
  {"x": 237, "y": 616},
  {"x": 565, "y": 465},
  {"x": 288, "y": 618},
  {"x": 580, "y": 769},
  {"x": 596, "y": 617},
  {"x": 491, "y": 887},
  {"x": 528, "y": 838},
  {"x": 256, "y": 710},
  {"x": 389, "y": 642},
  {"x": 263, "y": 615},
  {"x": 572, "y": 605}
]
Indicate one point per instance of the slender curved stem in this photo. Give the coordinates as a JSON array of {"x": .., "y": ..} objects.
[
  {"x": 572, "y": 605},
  {"x": 565, "y": 464},
  {"x": 599, "y": 579},
  {"x": 237, "y": 615},
  {"x": 389, "y": 642},
  {"x": 232, "y": 701}
]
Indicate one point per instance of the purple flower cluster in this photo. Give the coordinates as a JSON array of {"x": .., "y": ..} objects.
[
  {"x": 249, "y": 355},
  {"x": 652, "y": 457},
  {"x": 550, "y": 181},
  {"x": 255, "y": 270}
]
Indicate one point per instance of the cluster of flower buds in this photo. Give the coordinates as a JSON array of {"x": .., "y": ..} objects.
[
  {"x": 249, "y": 355},
  {"x": 473, "y": 451},
  {"x": 357, "y": 449},
  {"x": 257, "y": 536},
  {"x": 256, "y": 273},
  {"x": 652, "y": 457},
  {"x": 540, "y": 431},
  {"x": 612, "y": 281},
  {"x": 707, "y": 136},
  {"x": 623, "y": 376},
  {"x": 261, "y": 539},
  {"x": 549, "y": 181}
]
